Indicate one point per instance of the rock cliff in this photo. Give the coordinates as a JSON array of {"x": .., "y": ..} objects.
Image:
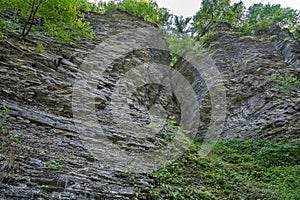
[
  {"x": 43, "y": 154},
  {"x": 258, "y": 104}
]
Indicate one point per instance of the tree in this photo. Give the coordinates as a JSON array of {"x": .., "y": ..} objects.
[
  {"x": 213, "y": 12},
  {"x": 268, "y": 16},
  {"x": 181, "y": 25},
  {"x": 60, "y": 18}
]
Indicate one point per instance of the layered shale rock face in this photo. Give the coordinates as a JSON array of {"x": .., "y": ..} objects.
[
  {"x": 259, "y": 103},
  {"x": 50, "y": 160},
  {"x": 55, "y": 148}
]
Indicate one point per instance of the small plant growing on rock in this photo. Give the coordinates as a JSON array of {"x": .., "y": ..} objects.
[
  {"x": 2, "y": 36},
  {"x": 286, "y": 83},
  {"x": 56, "y": 164},
  {"x": 40, "y": 48}
]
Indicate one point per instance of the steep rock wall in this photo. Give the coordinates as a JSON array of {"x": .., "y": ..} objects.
[
  {"x": 45, "y": 156},
  {"x": 258, "y": 105},
  {"x": 49, "y": 160}
]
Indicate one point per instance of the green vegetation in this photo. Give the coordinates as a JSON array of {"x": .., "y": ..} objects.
[
  {"x": 60, "y": 18},
  {"x": 235, "y": 169},
  {"x": 40, "y": 48},
  {"x": 182, "y": 32},
  {"x": 213, "y": 12},
  {"x": 266, "y": 17},
  {"x": 42, "y": 186},
  {"x": 285, "y": 83},
  {"x": 177, "y": 24},
  {"x": 56, "y": 164},
  {"x": 178, "y": 46},
  {"x": 2, "y": 29},
  {"x": 258, "y": 17},
  {"x": 148, "y": 10},
  {"x": 65, "y": 19}
]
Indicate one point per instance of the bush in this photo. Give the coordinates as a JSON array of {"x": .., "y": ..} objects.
[
  {"x": 148, "y": 10},
  {"x": 60, "y": 18}
]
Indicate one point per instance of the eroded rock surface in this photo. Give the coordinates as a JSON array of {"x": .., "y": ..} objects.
[
  {"x": 260, "y": 106},
  {"x": 49, "y": 160},
  {"x": 45, "y": 157}
]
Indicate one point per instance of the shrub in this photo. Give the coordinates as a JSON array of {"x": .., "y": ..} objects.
[
  {"x": 60, "y": 18},
  {"x": 148, "y": 10}
]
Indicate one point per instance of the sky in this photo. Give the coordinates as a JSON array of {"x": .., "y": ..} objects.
[{"x": 188, "y": 8}]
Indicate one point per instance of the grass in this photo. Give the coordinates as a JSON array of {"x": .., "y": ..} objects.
[{"x": 235, "y": 169}]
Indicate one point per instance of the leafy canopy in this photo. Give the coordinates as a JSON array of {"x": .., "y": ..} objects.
[
  {"x": 60, "y": 18},
  {"x": 213, "y": 12},
  {"x": 180, "y": 24},
  {"x": 257, "y": 17},
  {"x": 268, "y": 16},
  {"x": 146, "y": 9}
]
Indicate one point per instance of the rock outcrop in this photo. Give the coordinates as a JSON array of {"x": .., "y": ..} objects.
[
  {"x": 259, "y": 105},
  {"x": 43, "y": 155},
  {"x": 50, "y": 161}
]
